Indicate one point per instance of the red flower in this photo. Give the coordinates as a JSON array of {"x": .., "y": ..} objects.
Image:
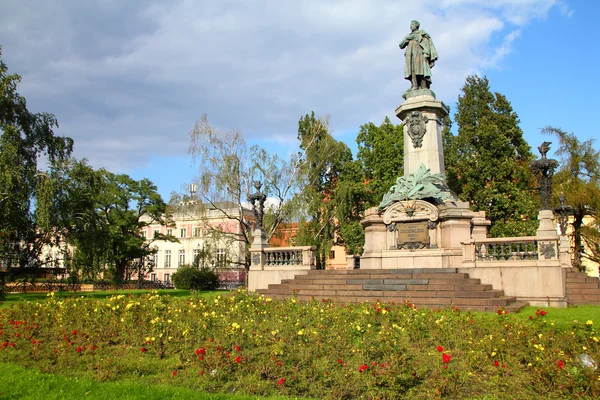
[
  {"x": 201, "y": 373},
  {"x": 78, "y": 350},
  {"x": 279, "y": 363},
  {"x": 326, "y": 373},
  {"x": 496, "y": 363},
  {"x": 236, "y": 348},
  {"x": 373, "y": 362},
  {"x": 143, "y": 349},
  {"x": 499, "y": 312},
  {"x": 175, "y": 373},
  {"x": 281, "y": 381},
  {"x": 201, "y": 351},
  {"x": 542, "y": 313},
  {"x": 446, "y": 358},
  {"x": 238, "y": 359},
  {"x": 445, "y": 367},
  {"x": 201, "y": 358},
  {"x": 340, "y": 361},
  {"x": 440, "y": 349},
  {"x": 363, "y": 367},
  {"x": 74, "y": 332},
  {"x": 560, "y": 364}
]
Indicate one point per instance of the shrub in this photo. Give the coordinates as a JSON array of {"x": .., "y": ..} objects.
[{"x": 188, "y": 277}]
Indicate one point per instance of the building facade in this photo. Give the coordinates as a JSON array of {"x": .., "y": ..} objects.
[{"x": 215, "y": 235}]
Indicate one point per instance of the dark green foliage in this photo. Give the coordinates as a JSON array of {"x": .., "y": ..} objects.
[
  {"x": 24, "y": 199},
  {"x": 381, "y": 156},
  {"x": 578, "y": 179},
  {"x": 324, "y": 159},
  {"x": 487, "y": 163},
  {"x": 189, "y": 277}
]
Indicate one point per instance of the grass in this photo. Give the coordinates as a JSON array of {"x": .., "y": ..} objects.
[
  {"x": 161, "y": 346},
  {"x": 564, "y": 318},
  {"x": 21, "y": 383},
  {"x": 13, "y": 298}
]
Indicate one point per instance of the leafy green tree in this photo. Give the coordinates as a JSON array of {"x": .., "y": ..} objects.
[
  {"x": 349, "y": 199},
  {"x": 489, "y": 161},
  {"x": 26, "y": 139},
  {"x": 125, "y": 207},
  {"x": 381, "y": 156},
  {"x": 578, "y": 179},
  {"x": 324, "y": 159},
  {"x": 227, "y": 170}
]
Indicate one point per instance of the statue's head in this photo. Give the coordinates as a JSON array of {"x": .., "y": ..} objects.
[{"x": 414, "y": 25}]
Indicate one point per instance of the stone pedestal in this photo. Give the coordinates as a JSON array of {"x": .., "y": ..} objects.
[
  {"x": 257, "y": 255},
  {"x": 430, "y": 151},
  {"x": 547, "y": 228}
]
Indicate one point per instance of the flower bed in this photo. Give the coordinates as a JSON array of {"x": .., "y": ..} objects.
[{"x": 250, "y": 344}]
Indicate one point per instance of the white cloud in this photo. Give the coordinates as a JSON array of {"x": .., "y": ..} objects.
[{"x": 128, "y": 79}]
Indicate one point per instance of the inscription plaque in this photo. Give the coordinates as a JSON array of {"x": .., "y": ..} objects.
[{"x": 412, "y": 235}]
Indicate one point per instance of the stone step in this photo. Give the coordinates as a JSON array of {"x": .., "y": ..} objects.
[
  {"x": 428, "y": 288},
  {"x": 582, "y": 285},
  {"x": 582, "y": 279},
  {"x": 384, "y": 293},
  {"x": 584, "y": 297},
  {"x": 379, "y": 275}
]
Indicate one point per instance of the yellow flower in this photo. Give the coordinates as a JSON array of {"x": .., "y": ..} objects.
[
  {"x": 300, "y": 332},
  {"x": 493, "y": 353},
  {"x": 589, "y": 322}
]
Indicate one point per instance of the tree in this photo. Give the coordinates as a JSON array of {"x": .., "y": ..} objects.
[
  {"x": 324, "y": 158},
  {"x": 489, "y": 161},
  {"x": 26, "y": 139},
  {"x": 227, "y": 169},
  {"x": 578, "y": 179},
  {"x": 381, "y": 156}
]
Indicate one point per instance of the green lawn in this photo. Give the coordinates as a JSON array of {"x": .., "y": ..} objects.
[
  {"x": 13, "y": 298},
  {"x": 21, "y": 383}
]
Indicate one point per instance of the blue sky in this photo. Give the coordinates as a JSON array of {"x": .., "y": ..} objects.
[{"x": 128, "y": 79}]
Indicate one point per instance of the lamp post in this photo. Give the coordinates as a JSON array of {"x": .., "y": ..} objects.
[{"x": 563, "y": 211}]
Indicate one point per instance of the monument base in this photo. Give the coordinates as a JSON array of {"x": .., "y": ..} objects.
[{"x": 417, "y": 234}]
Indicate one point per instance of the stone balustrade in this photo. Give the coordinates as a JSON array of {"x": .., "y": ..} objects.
[
  {"x": 525, "y": 248},
  {"x": 269, "y": 265}
]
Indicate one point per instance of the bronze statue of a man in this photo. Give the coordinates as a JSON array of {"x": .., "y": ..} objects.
[{"x": 419, "y": 57}]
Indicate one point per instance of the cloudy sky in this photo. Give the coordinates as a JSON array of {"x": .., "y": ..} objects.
[{"x": 127, "y": 79}]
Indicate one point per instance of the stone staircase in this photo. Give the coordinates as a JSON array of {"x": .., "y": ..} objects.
[
  {"x": 581, "y": 288},
  {"x": 427, "y": 287}
]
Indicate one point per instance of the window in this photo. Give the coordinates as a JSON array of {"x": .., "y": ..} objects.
[
  {"x": 169, "y": 231},
  {"x": 181, "y": 257},
  {"x": 167, "y": 258},
  {"x": 221, "y": 257},
  {"x": 153, "y": 277},
  {"x": 182, "y": 232},
  {"x": 155, "y": 233},
  {"x": 195, "y": 253},
  {"x": 167, "y": 277},
  {"x": 332, "y": 254},
  {"x": 197, "y": 231},
  {"x": 143, "y": 234}
]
